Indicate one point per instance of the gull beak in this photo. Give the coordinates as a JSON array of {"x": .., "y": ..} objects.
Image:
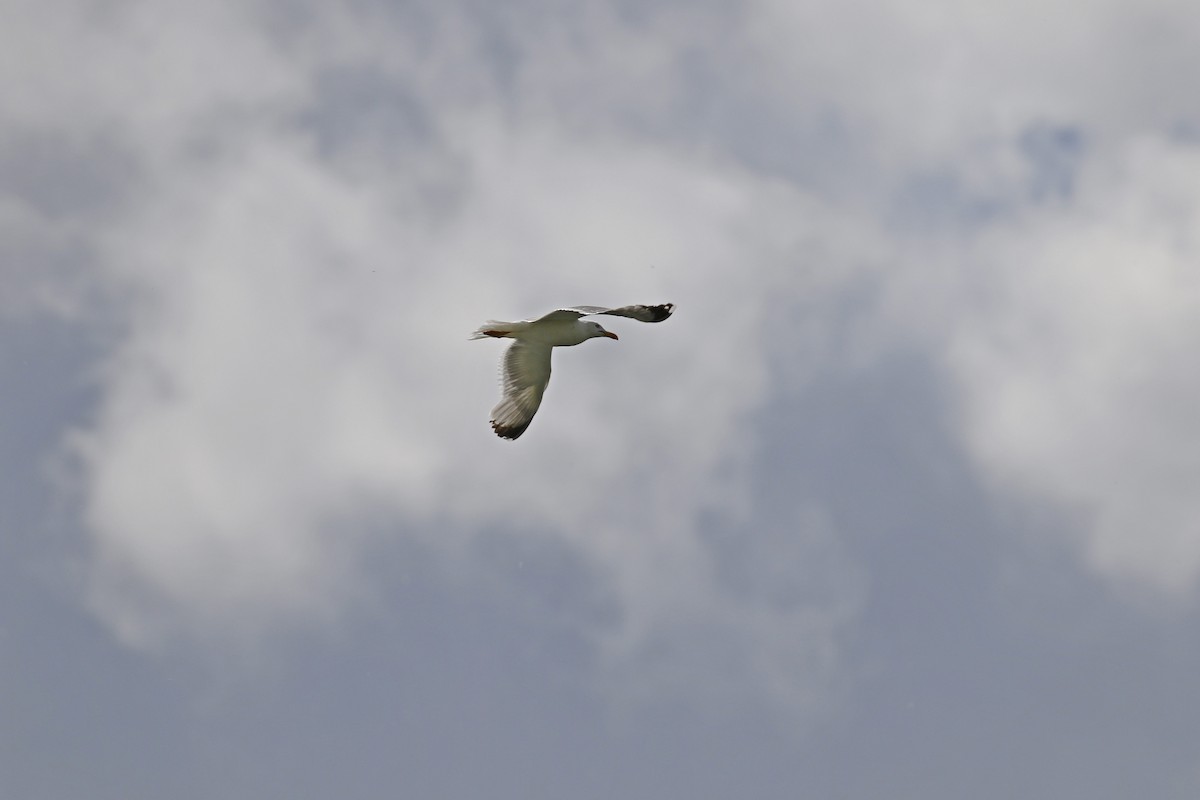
[{"x": 610, "y": 334}]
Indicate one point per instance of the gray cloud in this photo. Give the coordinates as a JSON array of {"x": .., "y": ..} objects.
[
  {"x": 1071, "y": 365},
  {"x": 295, "y": 353},
  {"x": 928, "y": 372}
]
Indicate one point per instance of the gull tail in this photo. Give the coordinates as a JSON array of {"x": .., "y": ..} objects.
[{"x": 495, "y": 329}]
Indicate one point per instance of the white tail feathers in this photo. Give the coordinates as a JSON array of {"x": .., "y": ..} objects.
[{"x": 495, "y": 329}]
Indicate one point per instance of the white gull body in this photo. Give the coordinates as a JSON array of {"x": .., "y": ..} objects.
[{"x": 525, "y": 370}]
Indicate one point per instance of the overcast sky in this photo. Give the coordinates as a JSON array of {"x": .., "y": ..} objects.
[{"x": 903, "y": 502}]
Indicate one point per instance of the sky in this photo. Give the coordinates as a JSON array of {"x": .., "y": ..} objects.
[{"x": 902, "y": 502}]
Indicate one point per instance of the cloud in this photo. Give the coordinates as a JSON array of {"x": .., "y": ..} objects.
[
  {"x": 1039, "y": 212},
  {"x": 321, "y": 201},
  {"x": 294, "y": 297},
  {"x": 1073, "y": 363}
]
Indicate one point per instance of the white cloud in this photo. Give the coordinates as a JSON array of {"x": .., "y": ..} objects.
[
  {"x": 1067, "y": 319},
  {"x": 296, "y": 354},
  {"x": 298, "y": 303},
  {"x": 950, "y": 85},
  {"x": 166, "y": 75},
  {"x": 1075, "y": 363}
]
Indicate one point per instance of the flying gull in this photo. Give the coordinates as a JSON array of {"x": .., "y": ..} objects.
[{"x": 525, "y": 370}]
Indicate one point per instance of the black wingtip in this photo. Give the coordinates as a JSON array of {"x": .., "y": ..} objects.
[
  {"x": 509, "y": 432},
  {"x": 659, "y": 313}
]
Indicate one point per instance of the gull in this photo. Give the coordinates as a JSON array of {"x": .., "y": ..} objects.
[{"x": 525, "y": 370}]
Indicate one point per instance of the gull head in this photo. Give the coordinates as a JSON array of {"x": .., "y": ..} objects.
[{"x": 594, "y": 330}]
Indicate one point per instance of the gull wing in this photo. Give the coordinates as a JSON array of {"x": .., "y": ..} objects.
[
  {"x": 641, "y": 313},
  {"x": 524, "y": 374}
]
